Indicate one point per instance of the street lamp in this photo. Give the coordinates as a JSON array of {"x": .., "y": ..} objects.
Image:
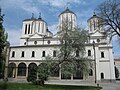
[{"x": 94, "y": 59}]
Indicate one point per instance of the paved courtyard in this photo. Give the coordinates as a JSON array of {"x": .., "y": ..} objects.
[{"x": 106, "y": 86}]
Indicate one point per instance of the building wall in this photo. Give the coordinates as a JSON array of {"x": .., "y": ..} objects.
[{"x": 117, "y": 64}]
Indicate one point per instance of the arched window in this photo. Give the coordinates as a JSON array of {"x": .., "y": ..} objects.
[
  {"x": 89, "y": 52},
  {"x": 32, "y": 70},
  {"x": 54, "y": 71},
  {"x": 102, "y": 55},
  {"x": 33, "y": 54},
  {"x": 11, "y": 70},
  {"x": 102, "y": 75},
  {"x": 29, "y": 29},
  {"x": 22, "y": 54},
  {"x": 77, "y": 53},
  {"x": 22, "y": 69},
  {"x": 26, "y": 29},
  {"x": 13, "y": 54},
  {"x": 54, "y": 53},
  {"x": 43, "y": 54},
  {"x": 90, "y": 72}
]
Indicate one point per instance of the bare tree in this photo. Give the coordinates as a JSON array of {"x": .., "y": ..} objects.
[{"x": 109, "y": 11}]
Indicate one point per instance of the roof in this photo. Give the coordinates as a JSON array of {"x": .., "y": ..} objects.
[
  {"x": 67, "y": 11},
  {"x": 34, "y": 19},
  {"x": 94, "y": 16},
  {"x": 117, "y": 59}
]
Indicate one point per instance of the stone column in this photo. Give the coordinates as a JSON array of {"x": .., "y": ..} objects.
[
  {"x": 71, "y": 76},
  {"x": 60, "y": 72},
  {"x": 26, "y": 72},
  {"x": 16, "y": 72}
]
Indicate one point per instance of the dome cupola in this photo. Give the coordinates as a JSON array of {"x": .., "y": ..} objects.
[
  {"x": 94, "y": 23},
  {"x": 33, "y": 25},
  {"x": 67, "y": 17}
]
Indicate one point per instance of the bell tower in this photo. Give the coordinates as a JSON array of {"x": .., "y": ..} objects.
[
  {"x": 94, "y": 23},
  {"x": 67, "y": 18}
]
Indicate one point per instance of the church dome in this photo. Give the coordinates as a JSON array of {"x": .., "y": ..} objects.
[
  {"x": 69, "y": 17},
  {"x": 67, "y": 11},
  {"x": 94, "y": 23},
  {"x": 34, "y": 25},
  {"x": 94, "y": 16}
]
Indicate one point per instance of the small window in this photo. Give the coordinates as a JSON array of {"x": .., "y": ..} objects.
[
  {"x": 25, "y": 43},
  {"x": 98, "y": 40},
  {"x": 102, "y": 75},
  {"x": 22, "y": 55},
  {"x": 33, "y": 54},
  {"x": 35, "y": 42},
  {"x": 26, "y": 29},
  {"x": 90, "y": 72},
  {"x": 54, "y": 53},
  {"x": 13, "y": 54},
  {"x": 48, "y": 41},
  {"x": 43, "y": 54},
  {"x": 89, "y": 52},
  {"x": 102, "y": 55},
  {"x": 77, "y": 53},
  {"x": 29, "y": 29}
]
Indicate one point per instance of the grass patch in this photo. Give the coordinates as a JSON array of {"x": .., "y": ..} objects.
[{"x": 28, "y": 86}]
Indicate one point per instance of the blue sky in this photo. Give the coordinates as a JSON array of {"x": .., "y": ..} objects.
[{"x": 17, "y": 10}]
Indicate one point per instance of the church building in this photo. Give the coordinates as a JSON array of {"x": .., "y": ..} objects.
[{"x": 36, "y": 42}]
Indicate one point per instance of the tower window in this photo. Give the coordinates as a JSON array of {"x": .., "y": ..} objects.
[
  {"x": 13, "y": 54},
  {"x": 26, "y": 29},
  {"x": 22, "y": 55},
  {"x": 102, "y": 55},
  {"x": 33, "y": 54},
  {"x": 54, "y": 53},
  {"x": 77, "y": 53},
  {"x": 43, "y": 54},
  {"x": 89, "y": 52},
  {"x": 29, "y": 29}
]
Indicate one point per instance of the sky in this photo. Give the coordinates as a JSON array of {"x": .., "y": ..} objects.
[{"x": 17, "y": 10}]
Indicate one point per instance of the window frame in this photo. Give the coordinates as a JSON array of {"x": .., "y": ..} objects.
[
  {"x": 102, "y": 54},
  {"x": 43, "y": 54},
  {"x": 89, "y": 52},
  {"x": 33, "y": 54},
  {"x": 13, "y": 54}
]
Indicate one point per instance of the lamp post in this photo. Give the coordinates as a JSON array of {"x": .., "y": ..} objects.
[{"x": 94, "y": 59}]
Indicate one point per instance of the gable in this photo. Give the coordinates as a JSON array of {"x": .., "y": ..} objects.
[
  {"x": 98, "y": 33},
  {"x": 36, "y": 35}
]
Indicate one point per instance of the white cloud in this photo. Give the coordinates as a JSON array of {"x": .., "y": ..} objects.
[
  {"x": 13, "y": 36},
  {"x": 59, "y": 3},
  {"x": 116, "y": 46},
  {"x": 25, "y": 5},
  {"x": 53, "y": 28}
]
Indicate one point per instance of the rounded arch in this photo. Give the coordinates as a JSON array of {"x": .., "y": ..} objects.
[
  {"x": 11, "y": 70},
  {"x": 43, "y": 71},
  {"x": 22, "y": 69},
  {"x": 32, "y": 71},
  {"x": 42, "y": 64},
  {"x": 66, "y": 70},
  {"x": 11, "y": 65},
  {"x": 54, "y": 70},
  {"x": 32, "y": 65}
]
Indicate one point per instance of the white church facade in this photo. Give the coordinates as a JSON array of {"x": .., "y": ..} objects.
[{"x": 37, "y": 42}]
